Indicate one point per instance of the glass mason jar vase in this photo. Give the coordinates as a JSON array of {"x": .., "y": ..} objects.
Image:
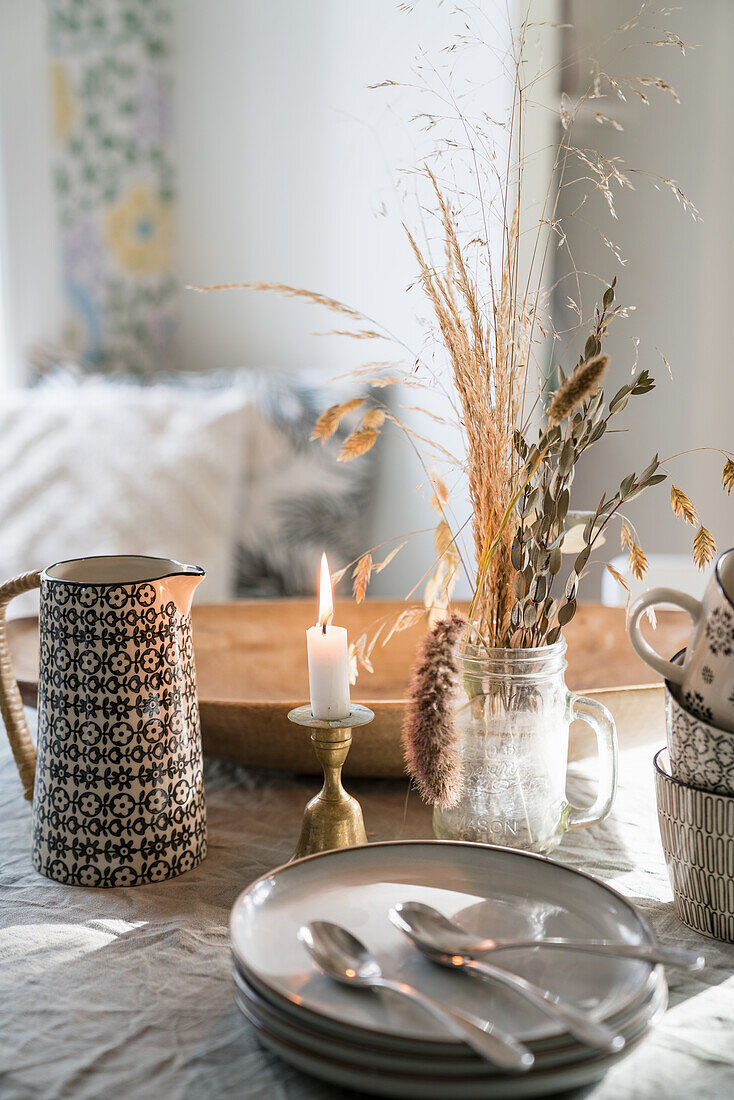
[{"x": 512, "y": 713}]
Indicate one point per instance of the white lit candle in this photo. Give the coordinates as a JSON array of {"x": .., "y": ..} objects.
[{"x": 328, "y": 658}]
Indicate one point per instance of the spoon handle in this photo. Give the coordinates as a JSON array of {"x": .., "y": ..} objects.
[
  {"x": 492, "y": 1045},
  {"x": 580, "y": 1024},
  {"x": 653, "y": 953}
]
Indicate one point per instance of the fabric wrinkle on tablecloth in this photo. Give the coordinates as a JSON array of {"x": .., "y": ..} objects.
[{"x": 128, "y": 992}]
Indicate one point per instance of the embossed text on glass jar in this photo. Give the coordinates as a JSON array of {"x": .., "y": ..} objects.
[{"x": 512, "y": 713}]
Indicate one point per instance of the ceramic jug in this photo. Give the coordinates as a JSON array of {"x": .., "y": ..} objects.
[
  {"x": 705, "y": 676},
  {"x": 116, "y": 778}
]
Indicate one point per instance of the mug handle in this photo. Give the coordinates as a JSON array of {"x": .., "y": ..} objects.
[
  {"x": 11, "y": 704},
  {"x": 689, "y": 604},
  {"x": 599, "y": 718}
]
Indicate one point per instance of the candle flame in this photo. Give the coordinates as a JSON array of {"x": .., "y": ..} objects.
[{"x": 326, "y": 600}]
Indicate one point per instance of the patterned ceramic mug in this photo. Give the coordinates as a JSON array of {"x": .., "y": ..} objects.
[
  {"x": 116, "y": 779},
  {"x": 706, "y": 678},
  {"x": 700, "y": 754}
]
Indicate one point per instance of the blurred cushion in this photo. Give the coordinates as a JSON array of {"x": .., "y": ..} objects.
[
  {"x": 99, "y": 467},
  {"x": 296, "y": 500},
  {"x": 215, "y": 469}
]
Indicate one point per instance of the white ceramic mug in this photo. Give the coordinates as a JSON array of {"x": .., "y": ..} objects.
[{"x": 706, "y": 677}]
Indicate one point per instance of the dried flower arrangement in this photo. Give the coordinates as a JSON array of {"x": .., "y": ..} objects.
[{"x": 526, "y": 425}]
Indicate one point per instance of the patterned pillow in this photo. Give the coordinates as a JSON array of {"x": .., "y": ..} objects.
[
  {"x": 296, "y": 500},
  {"x": 102, "y": 467},
  {"x": 292, "y": 499}
]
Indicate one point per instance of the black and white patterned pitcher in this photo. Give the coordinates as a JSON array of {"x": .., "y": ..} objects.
[{"x": 116, "y": 780}]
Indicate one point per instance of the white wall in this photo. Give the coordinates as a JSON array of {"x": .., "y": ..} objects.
[
  {"x": 287, "y": 173},
  {"x": 678, "y": 273}
]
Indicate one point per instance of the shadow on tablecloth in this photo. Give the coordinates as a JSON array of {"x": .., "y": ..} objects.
[{"x": 127, "y": 992}]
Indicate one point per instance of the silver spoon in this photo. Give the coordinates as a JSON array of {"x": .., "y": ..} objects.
[
  {"x": 446, "y": 933},
  {"x": 579, "y": 1024},
  {"x": 346, "y": 959}
]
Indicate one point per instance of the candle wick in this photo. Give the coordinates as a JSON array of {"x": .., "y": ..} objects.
[{"x": 323, "y": 628}]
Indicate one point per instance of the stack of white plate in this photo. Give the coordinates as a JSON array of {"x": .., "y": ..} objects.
[{"x": 379, "y": 1043}]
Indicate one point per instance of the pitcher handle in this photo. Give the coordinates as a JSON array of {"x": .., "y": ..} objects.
[
  {"x": 11, "y": 704},
  {"x": 602, "y": 723}
]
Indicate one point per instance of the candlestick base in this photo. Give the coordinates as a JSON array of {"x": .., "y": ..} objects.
[{"x": 333, "y": 818}]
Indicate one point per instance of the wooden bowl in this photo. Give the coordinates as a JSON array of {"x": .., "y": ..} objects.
[{"x": 251, "y": 670}]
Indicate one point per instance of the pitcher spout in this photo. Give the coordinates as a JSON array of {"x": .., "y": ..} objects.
[{"x": 182, "y": 585}]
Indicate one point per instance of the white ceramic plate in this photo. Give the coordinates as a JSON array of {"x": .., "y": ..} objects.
[
  {"x": 298, "y": 1015},
  {"x": 454, "y": 1062},
  {"x": 493, "y": 891},
  {"x": 538, "y": 1082}
]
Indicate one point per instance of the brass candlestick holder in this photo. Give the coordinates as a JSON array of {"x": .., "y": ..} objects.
[{"x": 333, "y": 819}]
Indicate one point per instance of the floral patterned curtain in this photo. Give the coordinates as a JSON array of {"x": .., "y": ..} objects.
[{"x": 111, "y": 113}]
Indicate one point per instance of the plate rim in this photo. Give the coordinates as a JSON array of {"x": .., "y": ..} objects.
[
  {"x": 433, "y": 843},
  {"x": 595, "y": 1056},
  {"x": 657, "y": 986},
  {"x": 602, "y": 1061}
]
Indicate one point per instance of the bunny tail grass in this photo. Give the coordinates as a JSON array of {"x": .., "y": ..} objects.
[
  {"x": 431, "y": 751},
  {"x": 579, "y": 386}
]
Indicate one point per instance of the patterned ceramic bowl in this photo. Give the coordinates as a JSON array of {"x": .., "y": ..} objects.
[
  {"x": 697, "y": 832},
  {"x": 701, "y": 754}
]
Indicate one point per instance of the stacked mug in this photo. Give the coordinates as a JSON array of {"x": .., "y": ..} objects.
[{"x": 694, "y": 776}]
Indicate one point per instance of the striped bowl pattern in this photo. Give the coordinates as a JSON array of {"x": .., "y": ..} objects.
[{"x": 697, "y": 832}]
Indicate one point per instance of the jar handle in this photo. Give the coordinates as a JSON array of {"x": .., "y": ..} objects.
[
  {"x": 11, "y": 704},
  {"x": 602, "y": 723}
]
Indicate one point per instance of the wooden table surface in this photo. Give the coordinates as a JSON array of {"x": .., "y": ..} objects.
[
  {"x": 257, "y": 650},
  {"x": 251, "y": 670}
]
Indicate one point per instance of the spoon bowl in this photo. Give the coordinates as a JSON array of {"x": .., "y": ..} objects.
[
  {"x": 339, "y": 954},
  {"x": 443, "y": 934},
  {"x": 436, "y": 931}
]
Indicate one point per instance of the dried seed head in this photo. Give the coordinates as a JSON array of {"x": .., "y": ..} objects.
[
  {"x": 704, "y": 547},
  {"x": 727, "y": 475},
  {"x": 440, "y": 492},
  {"x": 583, "y": 383},
  {"x": 429, "y": 736},
  {"x": 373, "y": 418},
  {"x": 638, "y": 561},
  {"x": 332, "y": 417},
  {"x": 361, "y": 577},
  {"x": 682, "y": 507},
  {"x": 358, "y": 443}
]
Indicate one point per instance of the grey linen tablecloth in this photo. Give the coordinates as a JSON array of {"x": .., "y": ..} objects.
[{"x": 127, "y": 993}]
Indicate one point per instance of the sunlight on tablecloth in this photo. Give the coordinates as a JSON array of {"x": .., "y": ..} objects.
[{"x": 127, "y": 993}]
